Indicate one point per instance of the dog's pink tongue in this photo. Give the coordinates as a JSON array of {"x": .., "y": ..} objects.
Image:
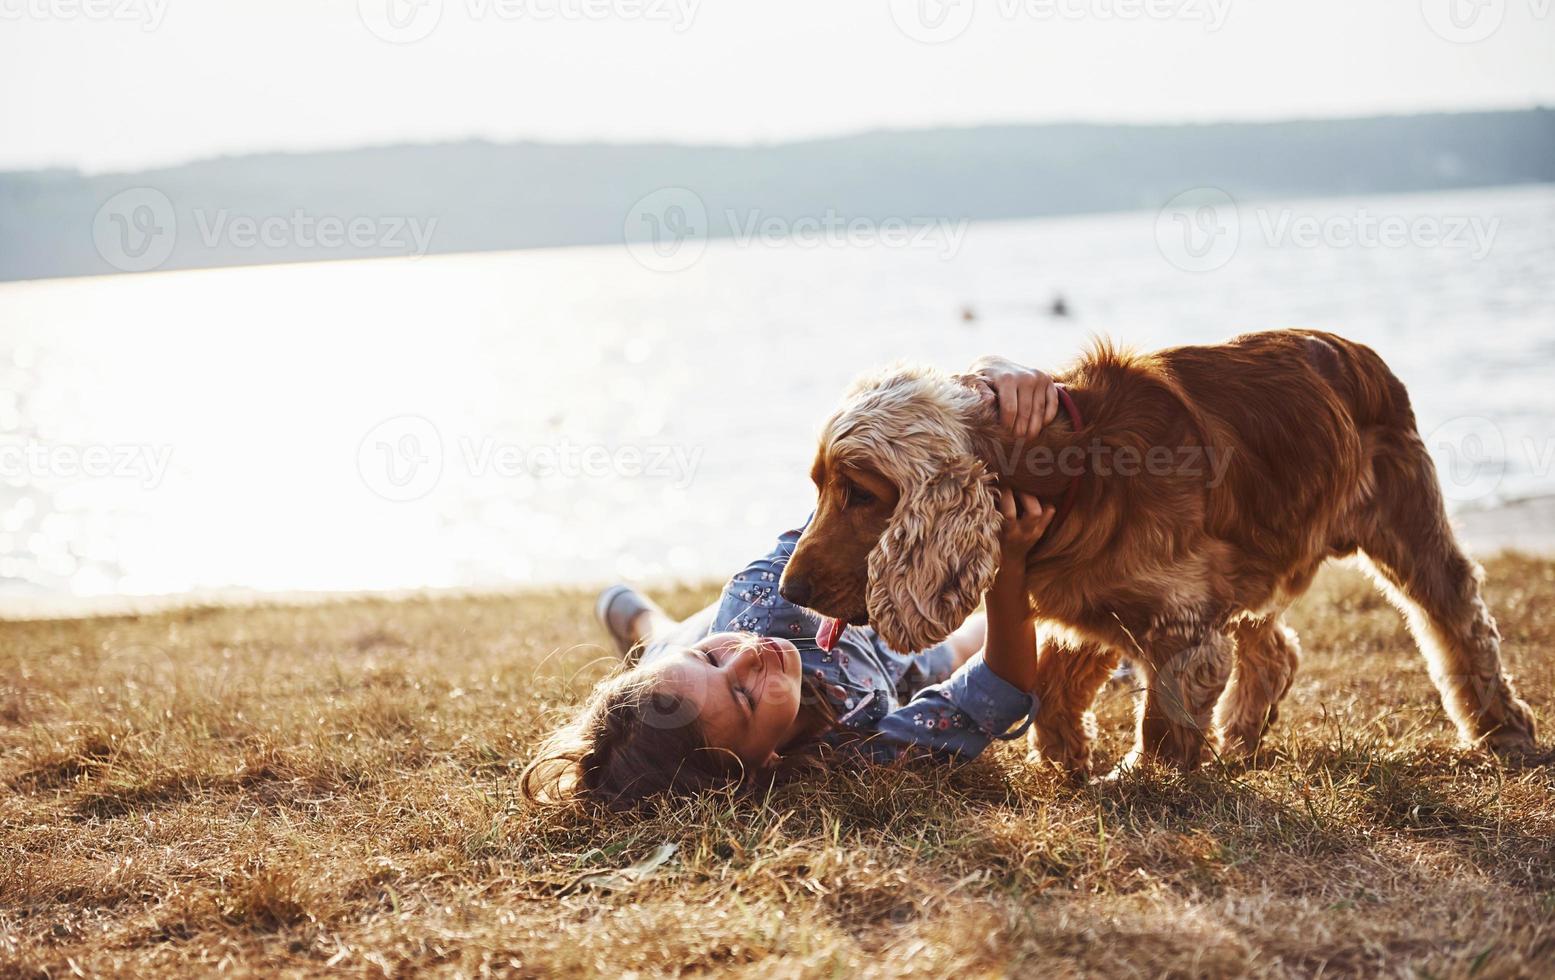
[{"x": 831, "y": 630}]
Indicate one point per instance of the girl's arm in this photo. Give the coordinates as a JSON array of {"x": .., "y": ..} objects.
[
  {"x": 990, "y": 693},
  {"x": 1011, "y": 649},
  {"x": 1006, "y": 631},
  {"x": 955, "y": 719}
]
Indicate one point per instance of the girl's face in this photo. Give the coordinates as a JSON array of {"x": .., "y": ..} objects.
[{"x": 743, "y": 689}]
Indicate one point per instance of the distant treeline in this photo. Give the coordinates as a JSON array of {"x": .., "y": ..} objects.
[{"x": 478, "y": 196}]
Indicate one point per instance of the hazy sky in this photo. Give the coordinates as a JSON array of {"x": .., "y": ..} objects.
[{"x": 111, "y": 84}]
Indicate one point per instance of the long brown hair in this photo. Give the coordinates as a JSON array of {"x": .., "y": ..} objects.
[{"x": 632, "y": 741}]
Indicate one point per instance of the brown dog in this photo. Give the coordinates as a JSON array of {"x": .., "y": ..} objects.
[{"x": 1210, "y": 483}]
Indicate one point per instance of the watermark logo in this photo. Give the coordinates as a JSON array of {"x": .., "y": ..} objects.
[
  {"x": 401, "y": 21},
  {"x": 149, "y": 13},
  {"x": 401, "y": 459},
  {"x": 1463, "y": 21},
  {"x": 1470, "y": 454},
  {"x": 666, "y": 231},
  {"x": 404, "y": 458},
  {"x": 932, "y": 21},
  {"x": 1199, "y": 229},
  {"x": 135, "y": 230}
]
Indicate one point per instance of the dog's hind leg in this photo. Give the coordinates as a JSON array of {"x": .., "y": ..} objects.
[
  {"x": 1068, "y": 679},
  {"x": 1267, "y": 653},
  {"x": 1415, "y": 557}
]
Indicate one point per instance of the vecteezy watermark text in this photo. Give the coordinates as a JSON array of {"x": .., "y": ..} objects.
[
  {"x": 409, "y": 21},
  {"x": 404, "y": 458},
  {"x": 137, "y": 229},
  {"x": 833, "y": 230},
  {"x": 938, "y": 21},
  {"x": 1211, "y": 14},
  {"x": 1470, "y": 233},
  {"x": 31, "y": 461},
  {"x": 148, "y": 13},
  {"x": 579, "y": 461},
  {"x": 393, "y": 233},
  {"x": 668, "y": 230},
  {"x": 1201, "y": 229},
  {"x": 1472, "y": 455},
  {"x": 1207, "y": 463}
]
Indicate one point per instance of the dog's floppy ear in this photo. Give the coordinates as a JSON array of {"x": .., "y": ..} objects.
[{"x": 936, "y": 558}]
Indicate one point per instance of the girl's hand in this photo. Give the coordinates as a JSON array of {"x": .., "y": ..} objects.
[
  {"x": 1027, "y": 398},
  {"x": 1025, "y": 521}
]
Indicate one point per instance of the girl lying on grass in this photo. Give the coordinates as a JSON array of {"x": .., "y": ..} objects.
[{"x": 741, "y": 694}]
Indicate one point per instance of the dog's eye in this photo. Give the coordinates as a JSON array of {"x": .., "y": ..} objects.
[{"x": 857, "y": 497}]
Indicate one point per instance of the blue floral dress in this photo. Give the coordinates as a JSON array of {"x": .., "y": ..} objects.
[{"x": 887, "y": 703}]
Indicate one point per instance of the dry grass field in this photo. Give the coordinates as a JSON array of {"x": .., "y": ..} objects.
[{"x": 330, "y": 789}]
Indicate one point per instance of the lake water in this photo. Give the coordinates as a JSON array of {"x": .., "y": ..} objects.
[{"x": 572, "y": 415}]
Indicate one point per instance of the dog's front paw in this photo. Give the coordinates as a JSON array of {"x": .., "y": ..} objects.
[
  {"x": 1065, "y": 747},
  {"x": 1075, "y": 775}
]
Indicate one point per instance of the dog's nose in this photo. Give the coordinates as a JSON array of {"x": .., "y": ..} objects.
[{"x": 795, "y": 590}]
